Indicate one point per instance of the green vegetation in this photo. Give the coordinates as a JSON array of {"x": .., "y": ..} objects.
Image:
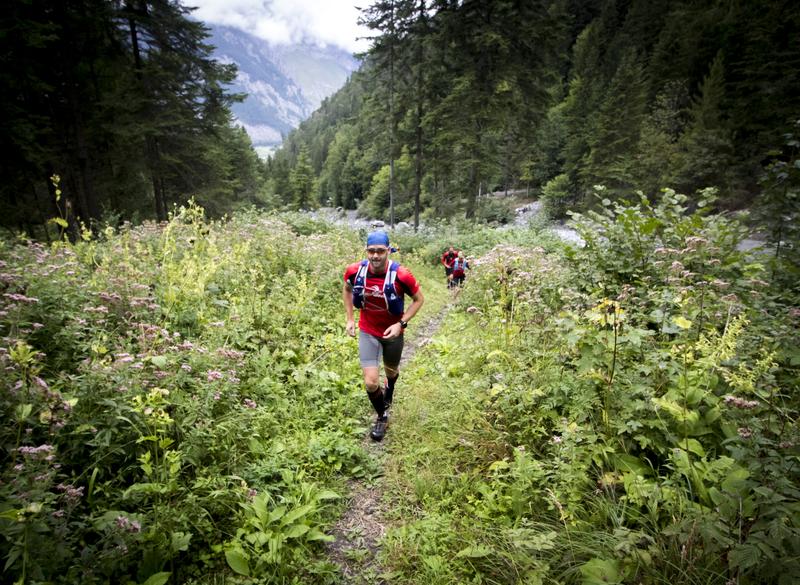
[
  {"x": 481, "y": 96},
  {"x": 178, "y": 400},
  {"x": 123, "y": 101},
  {"x": 624, "y": 412},
  {"x": 183, "y": 406}
]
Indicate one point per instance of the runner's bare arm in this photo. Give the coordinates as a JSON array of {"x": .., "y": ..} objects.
[{"x": 347, "y": 299}]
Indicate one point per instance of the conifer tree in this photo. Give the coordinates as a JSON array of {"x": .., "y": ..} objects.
[
  {"x": 301, "y": 181},
  {"x": 616, "y": 128},
  {"x": 706, "y": 148}
]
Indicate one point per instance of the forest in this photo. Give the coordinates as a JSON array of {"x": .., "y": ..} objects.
[
  {"x": 121, "y": 100},
  {"x": 181, "y": 403},
  {"x": 460, "y": 99}
]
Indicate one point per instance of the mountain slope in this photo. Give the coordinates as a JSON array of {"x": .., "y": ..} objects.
[{"x": 284, "y": 84}]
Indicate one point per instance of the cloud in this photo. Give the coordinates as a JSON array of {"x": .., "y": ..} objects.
[{"x": 324, "y": 22}]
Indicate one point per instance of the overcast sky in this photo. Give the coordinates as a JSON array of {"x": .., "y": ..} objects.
[{"x": 325, "y": 22}]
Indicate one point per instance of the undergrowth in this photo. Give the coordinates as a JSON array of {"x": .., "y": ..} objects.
[
  {"x": 181, "y": 403},
  {"x": 621, "y": 412}
]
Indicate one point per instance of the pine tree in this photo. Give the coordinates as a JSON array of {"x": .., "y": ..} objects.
[
  {"x": 706, "y": 149},
  {"x": 614, "y": 135},
  {"x": 301, "y": 181}
]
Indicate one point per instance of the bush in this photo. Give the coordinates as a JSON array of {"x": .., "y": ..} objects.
[
  {"x": 494, "y": 211},
  {"x": 556, "y": 196}
]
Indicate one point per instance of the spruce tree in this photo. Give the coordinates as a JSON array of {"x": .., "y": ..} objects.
[
  {"x": 706, "y": 150},
  {"x": 301, "y": 181}
]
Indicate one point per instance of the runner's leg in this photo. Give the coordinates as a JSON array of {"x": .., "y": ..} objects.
[
  {"x": 392, "y": 352},
  {"x": 369, "y": 352}
]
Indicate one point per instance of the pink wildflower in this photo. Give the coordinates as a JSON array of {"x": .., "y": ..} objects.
[
  {"x": 35, "y": 452},
  {"x": 737, "y": 402},
  {"x": 20, "y": 298},
  {"x": 230, "y": 353}
]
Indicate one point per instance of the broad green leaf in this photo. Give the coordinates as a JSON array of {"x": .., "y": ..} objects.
[
  {"x": 498, "y": 465},
  {"x": 297, "y": 513},
  {"x": 143, "y": 488},
  {"x": 630, "y": 463},
  {"x": 22, "y": 411},
  {"x": 736, "y": 480},
  {"x": 238, "y": 562},
  {"x": 693, "y": 446},
  {"x": 297, "y": 530},
  {"x": 601, "y": 572},
  {"x": 260, "y": 507},
  {"x": 158, "y": 361},
  {"x": 157, "y": 579},
  {"x": 475, "y": 552},
  {"x": 317, "y": 534},
  {"x": 744, "y": 556},
  {"x": 682, "y": 322},
  {"x": 256, "y": 448},
  {"x": 277, "y": 514},
  {"x": 15, "y": 553},
  {"x": 328, "y": 495},
  {"x": 11, "y": 514},
  {"x": 180, "y": 541}
]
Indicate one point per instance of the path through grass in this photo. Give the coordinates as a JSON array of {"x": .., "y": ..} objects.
[{"x": 360, "y": 531}]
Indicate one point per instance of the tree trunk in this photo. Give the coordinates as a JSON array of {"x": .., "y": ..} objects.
[
  {"x": 418, "y": 150},
  {"x": 151, "y": 144},
  {"x": 391, "y": 118},
  {"x": 474, "y": 180}
]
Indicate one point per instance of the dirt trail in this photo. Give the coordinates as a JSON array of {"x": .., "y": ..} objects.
[{"x": 362, "y": 526}]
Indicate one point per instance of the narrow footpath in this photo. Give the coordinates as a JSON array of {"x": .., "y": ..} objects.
[{"x": 361, "y": 528}]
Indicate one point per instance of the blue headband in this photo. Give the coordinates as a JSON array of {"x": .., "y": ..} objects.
[{"x": 378, "y": 239}]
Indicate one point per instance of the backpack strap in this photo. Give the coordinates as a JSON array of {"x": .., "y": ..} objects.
[
  {"x": 359, "y": 283},
  {"x": 391, "y": 274},
  {"x": 394, "y": 300}
]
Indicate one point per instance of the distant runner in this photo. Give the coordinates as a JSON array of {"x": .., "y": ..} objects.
[
  {"x": 458, "y": 271},
  {"x": 448, "y": 258},
  {"x": 377, "y": 286}
]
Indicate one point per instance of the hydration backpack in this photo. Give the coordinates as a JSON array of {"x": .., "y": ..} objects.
[
  {"x": 458, "y": 267},
  {"x": 394, "y": 301}
]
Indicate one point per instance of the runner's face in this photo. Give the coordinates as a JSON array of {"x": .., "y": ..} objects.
[{"x": 377, "y": 256}]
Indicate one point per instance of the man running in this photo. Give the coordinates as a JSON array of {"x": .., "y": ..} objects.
[
  {"x": 458, "y": 271},
  {"x": 448, "y": 257},
  {"x": 377, "y": 287}
]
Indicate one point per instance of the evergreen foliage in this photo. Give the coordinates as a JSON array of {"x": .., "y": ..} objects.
[
  {"x": 496, "y": 96},
  {"x": 122, "y": 101}
]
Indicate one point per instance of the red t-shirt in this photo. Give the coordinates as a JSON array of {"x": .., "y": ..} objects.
[
  {"x": 374, "y": 317},
  {"x": 448, "y": 257}
]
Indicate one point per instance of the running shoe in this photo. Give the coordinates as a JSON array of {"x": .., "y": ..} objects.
[{"x": 379, "y": 428}]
